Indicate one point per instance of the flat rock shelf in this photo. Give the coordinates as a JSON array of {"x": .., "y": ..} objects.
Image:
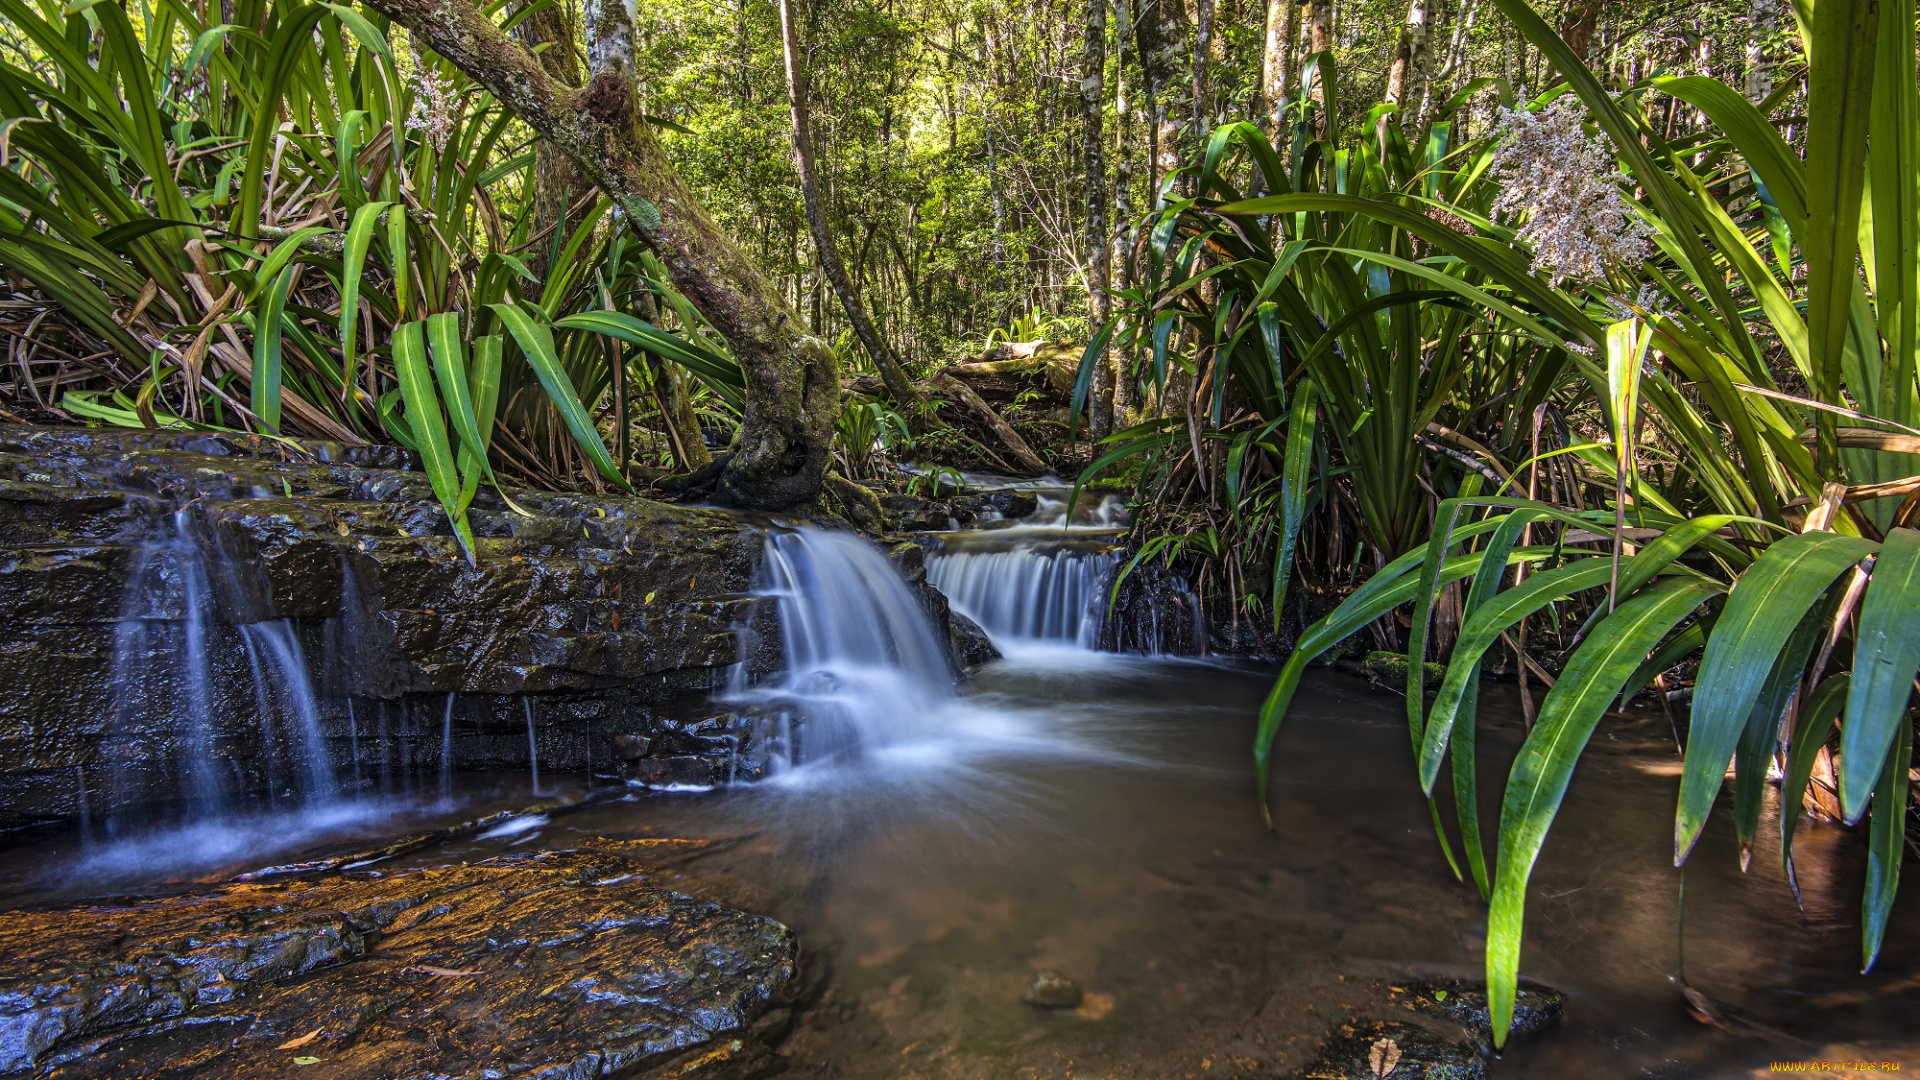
[{"x": 549, "y": 964}]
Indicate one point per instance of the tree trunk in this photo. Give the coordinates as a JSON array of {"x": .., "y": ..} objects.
[
  {"x": 792, "y": 386},
  {"x": 1117, "y": 262},
  {"x": 1578, "y": 26},
  {"x": 1762, "y": 17},
  {"x": 1277, "y": 60},
  {"x": 1320, "y": 25},
  {"x": 1202, "y": 58},
  {"x": 1160, "y": 34},
  {"x": 899, "y": 387},
  {"x": 1407, "y": 76},
  {"x": 1093, "y": 104},
  {"x": 557, "y": 182}
]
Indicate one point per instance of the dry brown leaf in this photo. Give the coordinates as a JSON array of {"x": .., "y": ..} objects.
[
  {"x": 1384, "y": 1057},
  {"x": 295, "y": 1044},
  {"x": 446, "y": 973}
]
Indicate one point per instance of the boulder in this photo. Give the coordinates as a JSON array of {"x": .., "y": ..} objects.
[{"x": 554, "y": 963}]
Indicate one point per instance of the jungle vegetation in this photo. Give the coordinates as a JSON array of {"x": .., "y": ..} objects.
[{"x": 1574, "y": 338}]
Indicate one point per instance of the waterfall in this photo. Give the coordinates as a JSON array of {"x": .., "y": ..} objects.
[
  {"x": 169, "y": 708},
  {"x": 533, "y": 749},
  {"x": 1028, "y": 593},
  {"x": 446, "y": 751},
  {"x": 863, "y": 667}
]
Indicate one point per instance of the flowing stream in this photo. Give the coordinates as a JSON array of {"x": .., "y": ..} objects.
[{"x": 936, "y": 841}]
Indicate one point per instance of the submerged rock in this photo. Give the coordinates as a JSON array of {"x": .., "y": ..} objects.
[
  {"x": 1393, "y": 1051},
  {"x": 556, "y": 964},
  {"x": 1052, "y": 990},
  {"x": 1389, "y": 671},
  {"x": 1536, "y": 1007}
]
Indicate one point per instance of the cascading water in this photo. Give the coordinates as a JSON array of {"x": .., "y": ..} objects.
[
  {"x": 167, "y": 689},
  {"x": 1028, "y": 593},
  {"x": 863, "y": 668},
  {"x": 1041, "y": 580}
]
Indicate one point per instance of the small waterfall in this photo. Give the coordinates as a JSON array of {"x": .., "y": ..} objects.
[
  {"x": 1028, "y": 593},
  {"x": 863, "y": 668},
  {"x": 446, "y": 751},
  {"x": 533, "y": 749},
  {"x": 169, "y": 708}
]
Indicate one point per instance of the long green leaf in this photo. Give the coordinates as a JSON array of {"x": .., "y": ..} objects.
[
  {"x": 1886, "y": 846},
  {"x": 428, "y": 427},
  {"x": 1886, "y": 654},
  {"x": 536, "y": 343},
  {"x": 1591, "y": 680},
  {"x": 266, "y": 352},
  {"x": 1767, "y": 603}
]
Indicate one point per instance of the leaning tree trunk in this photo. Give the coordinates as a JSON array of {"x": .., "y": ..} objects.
[
  {"x": 792, "y": 385},
  {"x": 1762, "y": 17},
  {"x": 899, "y": 387}
]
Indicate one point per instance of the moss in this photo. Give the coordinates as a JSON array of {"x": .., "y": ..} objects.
[{"x": 1390, "y": 670}]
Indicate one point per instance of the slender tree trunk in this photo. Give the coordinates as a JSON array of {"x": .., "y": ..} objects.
[
  {"x": 1123, "y": 115},
  {"x": 1277, "y": 61},
  {"x": 1093, "y": 104},
  {"x": 792, "y": 385},
  {"x": 1202, "y": 59},
  {"x": 899, "y": 387},
  {"x": 1763, "y": 17},
  {"x": 1407, "y": 76},
  {"x": 1320, "y": 25},
  {"x": 1578, "y": 26},
  {"x": 1160, "y": 33}
]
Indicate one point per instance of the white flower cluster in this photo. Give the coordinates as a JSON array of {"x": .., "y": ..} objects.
[
  {"x": 1563, "y": 188},
  {"x": 435, "y": 106}
]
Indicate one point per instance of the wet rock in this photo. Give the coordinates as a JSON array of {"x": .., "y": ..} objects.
[
  {"x": 1052, "y": 990},
  {"x": 971, "y": 646},
  {"x": 553, "y": 963},
  {"x": 1388, "y": 671},
  {"x": 911, "y": 513},
  {"x": 1392, "y": 1051},
  {"x": 671, "y": 773},
  {"x": 1009, "y": 505},
  {"x": 631, "y": 748},
  {"x": 1155, "y": 613},
  {"x": 1536, "y": 1007}
]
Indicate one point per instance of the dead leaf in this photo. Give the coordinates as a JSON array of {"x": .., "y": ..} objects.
[
  {"x": 445, "y": 973},
  {"x": 1384, "y": 1056},
  {"x": 306, "y": 1061},
  {"x": 295, "y": 1044}
]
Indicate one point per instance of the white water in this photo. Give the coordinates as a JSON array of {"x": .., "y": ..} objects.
[
  {"x": 164, "y": 680},
  {"x": 863, "y": 668},
  {"x": 1028, "y": 594},
  {"x": 533, "y": 749}
]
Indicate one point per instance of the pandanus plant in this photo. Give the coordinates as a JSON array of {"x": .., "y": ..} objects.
[
  {"x": 1792, "y": 570},
  {"x": 264, "y": 235}
]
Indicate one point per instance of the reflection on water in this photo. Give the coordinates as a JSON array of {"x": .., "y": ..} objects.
[{"x": 1094, "y": 814}]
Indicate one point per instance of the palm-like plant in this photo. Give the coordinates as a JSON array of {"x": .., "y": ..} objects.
[{"x": 1803, "y": 603}]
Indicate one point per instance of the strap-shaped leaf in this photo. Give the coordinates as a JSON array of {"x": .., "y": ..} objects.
[
  {"x": 353, "y": 259},
  {"x": 1296, "y": 467},
  {"x": 1886, "y": 654},
  {"x": 536, "y": 343},
  {"x": 1767, "y": 602},
  {"x": 1761, "y": 737},
  {"x": 450, "y": 365},
  {"x": 1886, "y": 847},
  {"x": 1591, "y": 680},
  {"x": 428, "y": 427},
  {"x": 720, "y": 372},
  {"x": 266, "y": 351}
]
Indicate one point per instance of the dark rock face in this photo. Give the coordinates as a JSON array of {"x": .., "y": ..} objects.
[
  {"x": 555, "y": 964},
  {"x": 612, "y": 612},
  {"x": 1155, "y": 613}
]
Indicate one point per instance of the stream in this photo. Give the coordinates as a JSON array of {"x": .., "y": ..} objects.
[{"x": 935, "y": 846}]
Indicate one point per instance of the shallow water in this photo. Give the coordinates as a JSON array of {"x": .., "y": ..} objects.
[{"x": 1095, "y": 814}]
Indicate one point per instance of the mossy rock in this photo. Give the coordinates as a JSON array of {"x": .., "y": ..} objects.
[
  {"x": 1389, "y": 670},
  {"x": 1536, "y": 1007}
]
